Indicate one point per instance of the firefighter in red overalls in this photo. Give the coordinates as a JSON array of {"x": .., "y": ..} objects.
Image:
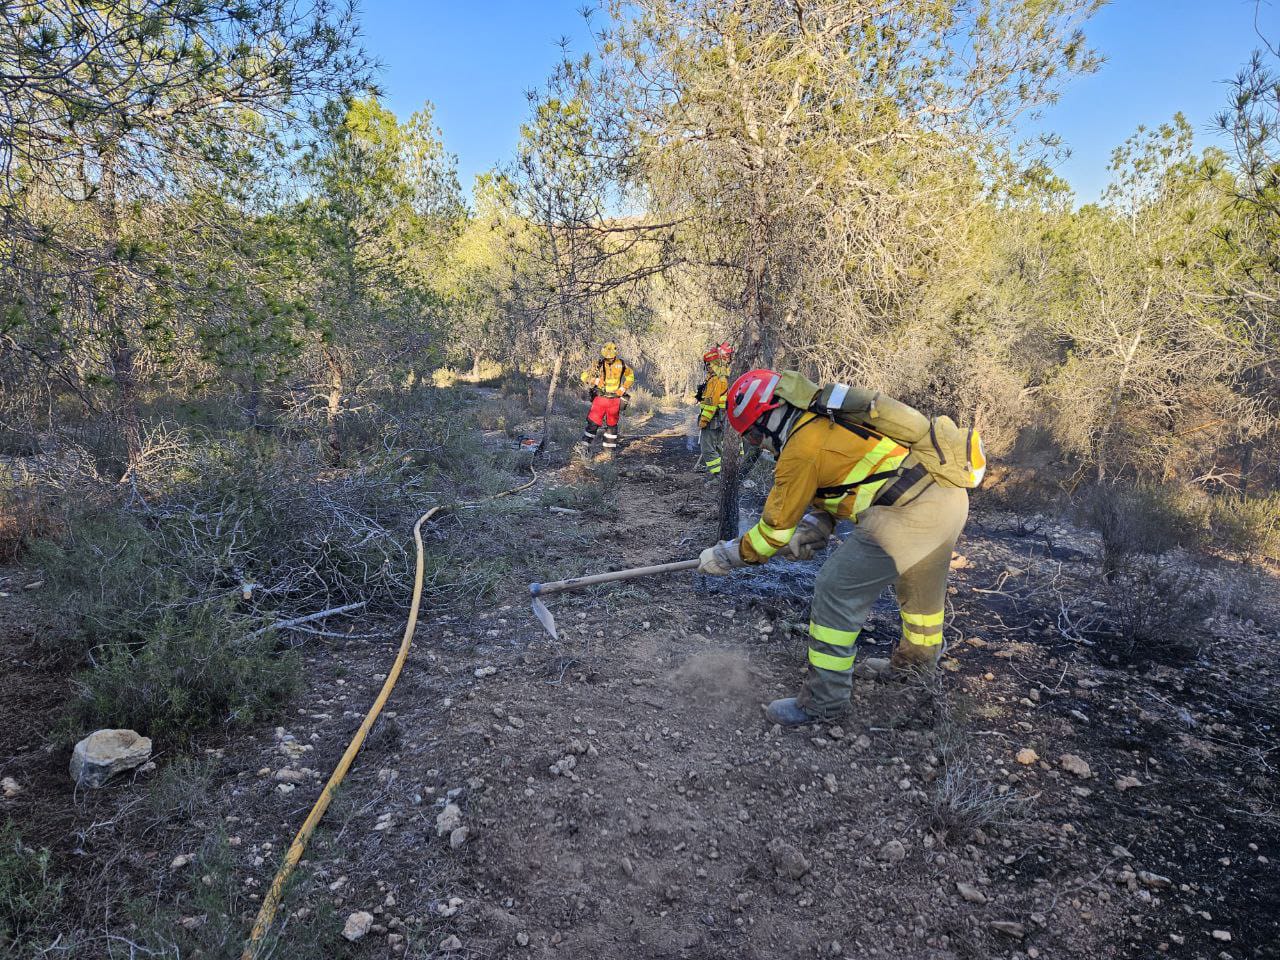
[{"x": 608, "y": 381}]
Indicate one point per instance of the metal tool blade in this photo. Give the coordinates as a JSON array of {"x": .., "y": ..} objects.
[{"x": 545, "y": 618}]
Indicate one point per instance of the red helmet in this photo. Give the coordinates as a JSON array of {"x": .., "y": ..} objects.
[
  {"x": 751, "y": 397},
  {"x": 723, "y": 353}
]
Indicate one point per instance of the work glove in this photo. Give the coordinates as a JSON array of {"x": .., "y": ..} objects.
[
  {"x": 703, "y": 423},
  {"x": 812, "y": 534},
  {"x": 721, "y": 560}
]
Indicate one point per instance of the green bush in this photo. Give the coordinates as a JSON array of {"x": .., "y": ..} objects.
[
  {"x": 594, "y": 495},
  {"x": 30, "y": 896},
  {"x": 195, "y": 669},
  {"x": 1248, "y": 526},
  {"x": 106, "y": 578}
]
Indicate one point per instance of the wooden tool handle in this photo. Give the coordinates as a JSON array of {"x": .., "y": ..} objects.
[{"x": 576, "y": 583}]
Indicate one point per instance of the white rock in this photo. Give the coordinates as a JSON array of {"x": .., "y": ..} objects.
[
  {"x": 104, "y": 753},
  {"x": 448, "y": 908},
  {"x": 10, "y": 786},
  {"x": 450, "y": 944},
  {"x": 1223, "y": 935},
  {"x": 970, "y": 893},
  {"x": 458, "y": 837},
  {"x": 448, "y": 820},
  {"x": 1027, "y": 756},
  {"x": 892, "y": 852},
  {"x": 181, "y": 860},
  {"x": 1075, "y": 765},
  {"x": 357, "y": 925},
  {"x": 1010, "y": 928}
]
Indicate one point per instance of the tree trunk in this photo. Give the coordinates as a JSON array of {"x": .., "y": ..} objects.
[
  {"x": 1113, "y": 408},
  {"x": 334, "y": 409},
  {"x": 757, "y": 346},
  {"x": 121, "y": 357},
  {"x": 551, "y": 396},
  {"x": 1246, "y": 467},
  {"x": 124, "y": 374}
]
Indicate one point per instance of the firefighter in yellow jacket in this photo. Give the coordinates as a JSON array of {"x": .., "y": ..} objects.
[
  {"x": 711, "y": 405},
  {"x": 609, "y": 380},
  {"x": 906, "y": 525}
]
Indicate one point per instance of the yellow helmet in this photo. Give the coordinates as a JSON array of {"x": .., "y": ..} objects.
[{"x": 609, "y": 351}]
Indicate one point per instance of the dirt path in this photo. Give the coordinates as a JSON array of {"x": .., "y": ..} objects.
[{"x": 626, "y": 798}]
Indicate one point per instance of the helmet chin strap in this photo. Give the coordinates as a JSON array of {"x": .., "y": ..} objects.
[{"x": 776, "y": 427}]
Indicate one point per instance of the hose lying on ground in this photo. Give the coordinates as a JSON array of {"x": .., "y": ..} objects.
[{"x": 271, "y": 903}]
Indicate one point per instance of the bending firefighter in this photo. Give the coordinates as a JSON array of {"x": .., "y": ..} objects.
[
  {"x": 848, "y": 453},
  {"x": 712, "y": 396},
  {"x": 608, "y": 381}
]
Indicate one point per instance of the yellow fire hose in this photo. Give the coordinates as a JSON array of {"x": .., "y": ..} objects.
[{"x": 271, "y": 903}]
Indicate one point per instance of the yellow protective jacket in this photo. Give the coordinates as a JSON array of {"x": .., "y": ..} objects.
[
  {"x": 714, "y": 396},
  {"x": 610, "y": 377},
  {"x": 817, "y": 456}
]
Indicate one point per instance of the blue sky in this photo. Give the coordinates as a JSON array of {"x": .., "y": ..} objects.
[{"x": 474, "y": 60}]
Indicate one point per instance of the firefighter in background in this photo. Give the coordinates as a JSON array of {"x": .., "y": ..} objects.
[
  {"x": 711, "y": 405},
  {"x": 609, "y": 380},
  {"x": 848, "y": 453}
]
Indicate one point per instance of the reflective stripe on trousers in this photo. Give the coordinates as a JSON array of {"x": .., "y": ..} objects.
[
  {"x": 832, "y": 649},
  {"x": 922, "y": 629}
]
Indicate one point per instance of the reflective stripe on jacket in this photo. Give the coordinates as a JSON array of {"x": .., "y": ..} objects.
[
  {"x": 820, "y": 456},
  {"x": 715, "y": 396},
  {"x": 609, "y": 376}
]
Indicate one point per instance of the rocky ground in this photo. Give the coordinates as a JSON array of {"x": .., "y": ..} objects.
[{"x": 617, "y": 793}]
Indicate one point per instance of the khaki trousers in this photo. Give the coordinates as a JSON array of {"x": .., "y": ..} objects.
[{"x": 909, "y": 546}]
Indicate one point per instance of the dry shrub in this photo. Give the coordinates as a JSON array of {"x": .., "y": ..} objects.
[
  {"x": 26, "y": 515},
  {"x": 1155, "y": 611},
  {"x": 444, "y": 377},
  {"x": 643, "y": 403},
  {"x": 1142, "y": 519},
  {"x": 963, "y": 798}
]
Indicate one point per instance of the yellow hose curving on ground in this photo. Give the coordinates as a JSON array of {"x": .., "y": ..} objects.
[{"x": 271, "y": 903}]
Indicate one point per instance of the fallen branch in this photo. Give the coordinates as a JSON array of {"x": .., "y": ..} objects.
[{"x": 285, "y": 624}]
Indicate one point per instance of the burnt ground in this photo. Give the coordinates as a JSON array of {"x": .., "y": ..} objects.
[{"x": 623, "y": 796}]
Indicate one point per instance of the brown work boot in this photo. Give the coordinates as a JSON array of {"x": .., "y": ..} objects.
[
  {"x": 897, "y": 668},
  {"x": 872, "y": 668}
]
